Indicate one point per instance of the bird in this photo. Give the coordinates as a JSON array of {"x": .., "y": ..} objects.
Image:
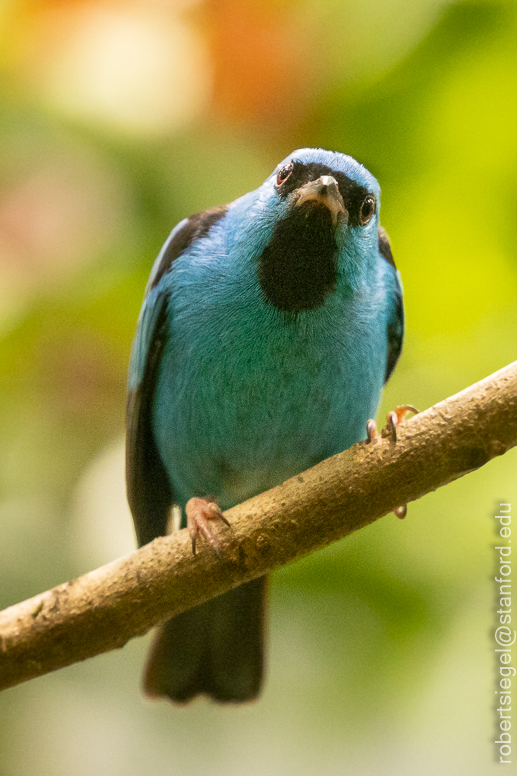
[{"x": 268, "y": 329}]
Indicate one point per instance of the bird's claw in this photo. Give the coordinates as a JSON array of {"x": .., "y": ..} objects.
[
  {"x": 395, "y": 418},
  {"x": 372, "y": 434},
  {"x": 199, "y": 511},
  {"x": 401, "y": 511}
]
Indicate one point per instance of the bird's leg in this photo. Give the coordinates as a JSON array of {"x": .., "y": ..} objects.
[
  {"x": 199, "y": 512},
  {"x": 395, "y": 418}
]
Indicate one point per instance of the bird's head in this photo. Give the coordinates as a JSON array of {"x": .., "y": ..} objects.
[
  {"x": 330, "y": 181},
  {"x": 319, "y": 216}
]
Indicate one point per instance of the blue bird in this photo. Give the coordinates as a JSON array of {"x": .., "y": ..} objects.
[{"x": 268, "y": 329}]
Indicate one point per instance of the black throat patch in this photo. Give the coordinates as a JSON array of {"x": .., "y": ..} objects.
[{"x": 299, "y": 266}]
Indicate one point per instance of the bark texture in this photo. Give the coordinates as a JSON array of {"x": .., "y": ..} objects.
[{"x": 103, "y": 609}]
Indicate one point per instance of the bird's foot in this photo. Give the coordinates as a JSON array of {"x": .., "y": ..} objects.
[
  {"x": 199, "y": 512},
  {"x": 394, "y": 418}
]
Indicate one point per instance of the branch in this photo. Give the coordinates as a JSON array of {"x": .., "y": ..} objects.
[{"x": 103, "y": 609}]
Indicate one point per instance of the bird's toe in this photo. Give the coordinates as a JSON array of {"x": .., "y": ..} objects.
[{"x": 199, "y": 512}]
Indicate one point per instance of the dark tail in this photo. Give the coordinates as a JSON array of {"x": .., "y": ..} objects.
[{"x": 216, "y": 649}]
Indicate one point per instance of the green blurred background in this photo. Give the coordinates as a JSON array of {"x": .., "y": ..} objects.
[{"x": 117, "y": 119}]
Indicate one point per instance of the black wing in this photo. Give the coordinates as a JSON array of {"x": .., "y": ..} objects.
[
  {"x": 396, "y": 324},
  {"x": 149, "y": 491}
]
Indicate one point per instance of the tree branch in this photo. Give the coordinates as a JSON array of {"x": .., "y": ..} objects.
[{"x": 103, "y": 609}]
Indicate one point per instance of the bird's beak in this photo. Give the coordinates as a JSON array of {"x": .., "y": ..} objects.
[{"x": 324, "y": 191}]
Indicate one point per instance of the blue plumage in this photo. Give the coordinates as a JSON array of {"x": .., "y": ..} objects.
[{"x": 268, "y": 329}]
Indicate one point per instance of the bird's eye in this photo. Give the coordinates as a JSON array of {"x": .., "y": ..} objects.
[
  {"x": 284, "y": 173},
  {"x": 367, "y": 209}
]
